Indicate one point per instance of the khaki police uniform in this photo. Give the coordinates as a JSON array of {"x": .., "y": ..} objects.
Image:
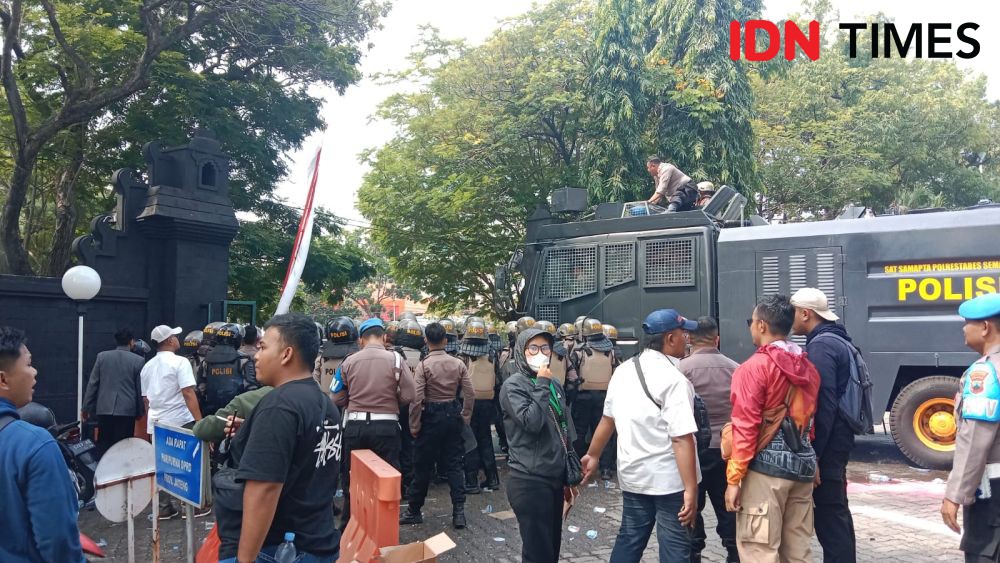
[{"x": 974, "y": 481}]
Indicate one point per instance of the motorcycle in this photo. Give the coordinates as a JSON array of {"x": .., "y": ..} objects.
[{"x": 80, "y": 454}]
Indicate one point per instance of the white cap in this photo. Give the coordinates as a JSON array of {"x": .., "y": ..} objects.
[
  {"x": 164, "y": 332},
  {"x": 814, "y": 300}
]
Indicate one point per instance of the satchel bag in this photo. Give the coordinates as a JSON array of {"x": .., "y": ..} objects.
[
  {"x": 574, "y": 469},
  {"x": 771, "y": 423}
]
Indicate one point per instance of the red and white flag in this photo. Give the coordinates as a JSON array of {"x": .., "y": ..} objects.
[{"x": 300, "y": 251}]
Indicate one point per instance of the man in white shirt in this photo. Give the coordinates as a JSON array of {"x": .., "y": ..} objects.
[
  {"x": 168, "y": 386},
  {"x": 653, "y": 412}
]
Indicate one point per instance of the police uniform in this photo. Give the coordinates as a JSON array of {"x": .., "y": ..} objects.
[
  {"x": 227, "y": 372},
  {"x": 373, "y": 383},
  {"x": 443, "y": 404},
  {"x": 974, "y": 481},
  {"x": 594, "y": 361},
  {"x": 484, "y": 372}
]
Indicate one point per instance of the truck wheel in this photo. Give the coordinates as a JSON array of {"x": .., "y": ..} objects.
[{"x": 923, "y": 421}]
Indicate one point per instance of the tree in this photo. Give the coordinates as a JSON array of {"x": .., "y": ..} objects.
[
  {"x": 70, "y": 70},
  {"x": 259, "y": 259},
  {"x": 368, "y": 294},
  {"x": 490, "y": 133},
  {"x": 618, "y": 86},
  {"x": 885, "y": 133}
]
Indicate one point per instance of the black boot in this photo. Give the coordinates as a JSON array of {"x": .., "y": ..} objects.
[
  {"x": 458, "y": 517},
  {"x": 471, "y": 487},
  {"x": 411, "y": 516},
  {"x": 492, "y": 481}
]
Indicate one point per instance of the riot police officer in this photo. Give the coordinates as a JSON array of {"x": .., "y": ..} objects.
[
  {"x": 559, "y": 364},
  {"x": 442, "y": 405},
  {"x": 341, "y": 341},
  {"x": 974, "y": 482},
  {"x": 481, "y": 363},
  {"x": 410, "y": 339},
  {"x": 451, "y": 333},
  {"x": 493, "y": 334},
  {"x": 190, "y": 348},
  {"x": 612, "y": 333},
  {"x": 595, "y": 361},
  {"x": 226, "y": 371}
]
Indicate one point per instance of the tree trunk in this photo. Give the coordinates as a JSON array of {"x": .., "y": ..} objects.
[
  {"x": 13, "y": 245},
  {"x": 66, "y": 213}
]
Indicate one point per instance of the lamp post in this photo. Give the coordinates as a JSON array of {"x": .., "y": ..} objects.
[{"x": 81, "y": 284}]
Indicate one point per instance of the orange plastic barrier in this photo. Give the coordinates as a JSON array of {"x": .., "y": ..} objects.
[
  {"x": 209, "y": 551},
  {"x": 374, "y": 508}
]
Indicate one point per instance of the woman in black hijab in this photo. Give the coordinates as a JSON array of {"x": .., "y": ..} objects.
[{"x": 534, "y": 413}]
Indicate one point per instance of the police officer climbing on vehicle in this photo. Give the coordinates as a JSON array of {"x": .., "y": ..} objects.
[
  {"x": 443, "y": 403},
  {"x": 673, "y": 186},
  {"x": 481, "y": 363},
  {"x": 974, "y": 482},
  {"x": 374, "y": 384},
  {"x": 341, "y": 342},
  {"x": 226, "y": 371},
  {"x": 595, "y": 361}
]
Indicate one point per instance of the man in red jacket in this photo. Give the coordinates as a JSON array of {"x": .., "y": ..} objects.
[{"x": 771, "y": 474}]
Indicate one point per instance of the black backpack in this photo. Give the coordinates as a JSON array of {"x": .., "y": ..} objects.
[
  {"x": 856, "y": 402},
  {"x": 703, "y": 437}
]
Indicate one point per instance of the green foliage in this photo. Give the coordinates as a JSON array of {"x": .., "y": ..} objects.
[
  {"x": 883, "y": 133},
  {"x": 617, "y": 88},
  {"x": 366, "y": 296},
  {"x": 259, "y": 260},
  {"x": 492, "y": 132},
  {"x": 133, "y": 71}
]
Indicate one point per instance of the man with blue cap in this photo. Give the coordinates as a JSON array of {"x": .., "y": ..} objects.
[
  {"x": 974, "y": 482},
  {"x": 651, "y": 404},
  {"x": 375, "y": 383}
]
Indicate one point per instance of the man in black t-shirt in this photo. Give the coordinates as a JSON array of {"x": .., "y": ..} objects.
[{"x": 288, "y": 452}]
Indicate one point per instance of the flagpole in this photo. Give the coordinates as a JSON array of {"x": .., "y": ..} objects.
[{"x": 300, "y": 250}]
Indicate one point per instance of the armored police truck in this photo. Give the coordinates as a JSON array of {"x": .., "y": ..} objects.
[{"x": 895, "y": 281}]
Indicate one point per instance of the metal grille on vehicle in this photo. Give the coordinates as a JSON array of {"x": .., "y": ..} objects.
[
  {"x": 669, "y": 262},
  {"x": 569, "y": 272},
  {"x": 619, "y": 263},
  {"x": 547, "y": 312}
]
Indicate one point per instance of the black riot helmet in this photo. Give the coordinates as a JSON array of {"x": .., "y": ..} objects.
[
  {"x": 410, "y": 335},
  {"x": 341, "y": 338},
  {"x": 191, "y": 343},
  {"x": 229, "y": 334},
  {"x": 208, "y": 333}
]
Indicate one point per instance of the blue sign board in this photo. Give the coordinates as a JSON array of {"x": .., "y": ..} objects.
[{"x": 181, "y": 464}]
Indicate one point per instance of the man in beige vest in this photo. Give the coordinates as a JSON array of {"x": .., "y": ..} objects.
[
  {"x": 594, "y": 361},
  {"x": 484, "y": 370}
]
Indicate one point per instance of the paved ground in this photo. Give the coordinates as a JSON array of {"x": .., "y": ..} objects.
[{"x": 896, "y": 521}]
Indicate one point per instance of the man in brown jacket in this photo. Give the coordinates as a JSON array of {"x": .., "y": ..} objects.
[
  {"x": 711, "y": 373},
  {"x": 443, "y": 404},
  {"x": 376, "y": 382}
]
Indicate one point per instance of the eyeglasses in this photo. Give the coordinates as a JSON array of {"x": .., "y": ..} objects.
[
  {"x": 535, "y": 348},
  {"x": 749, "y": 323}
]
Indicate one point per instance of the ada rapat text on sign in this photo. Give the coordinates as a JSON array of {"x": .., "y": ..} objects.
[{"x": 181, "y": 464}]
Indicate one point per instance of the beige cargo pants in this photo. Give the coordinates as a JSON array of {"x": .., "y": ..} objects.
[{"x": 775, "y": 520}]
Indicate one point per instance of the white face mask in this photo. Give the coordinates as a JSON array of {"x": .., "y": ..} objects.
[{"x": 538, "y": 361}]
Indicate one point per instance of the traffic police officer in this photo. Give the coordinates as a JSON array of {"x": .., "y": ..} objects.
[
  {"x": 226, "y": 371},
  {"x": 974, "y": 482},
  {"x": 443, "y": 403},
  {"x": 341, "y": 342},
  {"x": 481, "y": 363},
  {"x": 374, "y": 383},
  {"x": 595, "y": 361}
]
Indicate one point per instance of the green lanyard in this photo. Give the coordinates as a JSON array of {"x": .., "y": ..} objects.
[{"x": 554, "y": 402}]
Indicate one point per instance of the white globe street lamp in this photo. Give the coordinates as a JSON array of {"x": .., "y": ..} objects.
[{"x": 81, "y": 284}]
